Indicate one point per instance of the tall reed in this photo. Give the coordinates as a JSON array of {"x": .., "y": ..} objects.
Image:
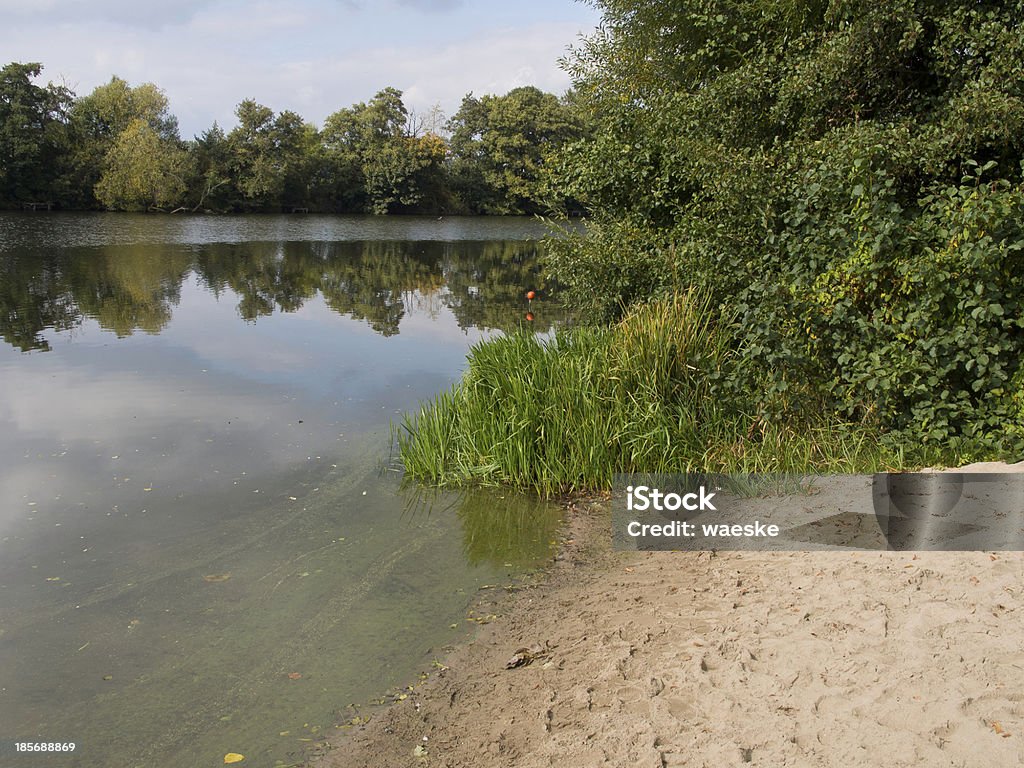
[{"x": 642, "y": 395}]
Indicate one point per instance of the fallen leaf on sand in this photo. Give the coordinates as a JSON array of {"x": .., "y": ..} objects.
[
  {"x": 233, "y": 757},
  {"x": 216, "y": 577}
]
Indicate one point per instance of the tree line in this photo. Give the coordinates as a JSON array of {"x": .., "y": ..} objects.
[{"x": 119, "y": 148}]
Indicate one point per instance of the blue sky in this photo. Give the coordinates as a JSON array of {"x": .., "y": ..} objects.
[{"x": 311, "y": 56}]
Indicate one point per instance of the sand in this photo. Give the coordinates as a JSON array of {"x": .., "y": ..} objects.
[{"x": 729, "y": 659}]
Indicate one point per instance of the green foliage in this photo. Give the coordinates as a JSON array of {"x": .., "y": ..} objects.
[
  {"x": 844, "y": 177},
  {"x": 119, "y": 148},
  {"x": 210, "y": 182},
  {"x": 33, "y": 134},
  {"x": 500, "y": 145},
  {"x": 142, "y": 171},
  {"x": 270, "y": 158},
  {"x": 98, "y": 121},
  {"x": 108, "y": 111},
  {"x": 643, "y": 395},
  {"x": 400, "y": 172},
  {"x": 375, "y": 146}
]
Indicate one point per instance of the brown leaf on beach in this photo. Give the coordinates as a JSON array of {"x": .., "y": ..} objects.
[{"x": 998, "y": 728}]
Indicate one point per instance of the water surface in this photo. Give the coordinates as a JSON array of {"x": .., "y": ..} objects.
[{"x": 204, "y": 545}]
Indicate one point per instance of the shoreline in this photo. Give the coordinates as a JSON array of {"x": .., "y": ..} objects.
[
  {"x": 662, "y": 659},
  {"x": 380, "y": 738}
]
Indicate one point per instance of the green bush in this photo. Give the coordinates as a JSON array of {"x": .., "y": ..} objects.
[{"x": 843, "y": 178}]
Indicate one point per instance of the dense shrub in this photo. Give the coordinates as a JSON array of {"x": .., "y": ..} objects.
[{"x": 845, "y": 178}]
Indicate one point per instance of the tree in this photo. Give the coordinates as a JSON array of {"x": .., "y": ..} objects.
[
  {"x": 272, "y": 157},
  {"x": 111, "y": 108},
  {"x": 370, "y": 143},
  {"x": 251, "y": 144},
  {"x": 210, "y": 184},
  {"x": 404, "y": 174},
  {"x": 385, "y": 117},
  {"x": 33, "y": 134},
  {"x": 342, "y": 181},
  {"x": 297, "y": 149},
  {"x": 499, "y": 146},
  {"x": 99, "y": 119},
  {"x": 142, "y": 171}
]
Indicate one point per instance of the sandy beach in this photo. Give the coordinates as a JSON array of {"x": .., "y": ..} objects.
[{"x": 699, "y": 659}]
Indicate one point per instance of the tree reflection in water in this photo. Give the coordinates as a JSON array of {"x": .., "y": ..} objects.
[{"x": 135, "y": 288}]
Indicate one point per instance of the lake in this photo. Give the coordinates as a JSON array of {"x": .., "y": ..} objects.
[{"x": 205, "y": 543}]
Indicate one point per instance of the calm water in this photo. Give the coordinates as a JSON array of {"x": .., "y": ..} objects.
[{"x": 204, "y": 547}]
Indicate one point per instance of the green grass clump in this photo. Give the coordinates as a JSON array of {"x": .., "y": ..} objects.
[{"x": 642, "y": 395}]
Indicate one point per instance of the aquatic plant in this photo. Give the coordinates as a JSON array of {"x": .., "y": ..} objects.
[{"x": 642, "y": 395}]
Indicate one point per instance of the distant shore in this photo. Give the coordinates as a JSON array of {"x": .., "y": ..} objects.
[{"x": 681, "y": 659}]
